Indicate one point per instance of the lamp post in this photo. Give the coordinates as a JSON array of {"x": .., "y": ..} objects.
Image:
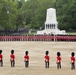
[
  {"x": 55, "y": 35},
  {"x": 8, "y": 22},
  {"x": 8, "y": 17}
]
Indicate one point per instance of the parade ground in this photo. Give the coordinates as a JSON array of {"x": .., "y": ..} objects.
[{"x": 36, "y": 53}]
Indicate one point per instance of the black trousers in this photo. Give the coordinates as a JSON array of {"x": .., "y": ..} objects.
[
  {"x": 1, "y": 63},
  {"x": 72, "y": 65},
  {"x": 47, "y": 64},
  {"x": 12, "y": 63},
  {"x": 58, "y": 65},
  {"x": 26, "y": 64}
]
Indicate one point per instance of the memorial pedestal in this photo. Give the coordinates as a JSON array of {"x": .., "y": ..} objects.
[{"x": 51, "y": 24}]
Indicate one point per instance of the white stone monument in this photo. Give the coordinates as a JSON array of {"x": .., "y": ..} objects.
[{"x": 51, "y": 24}]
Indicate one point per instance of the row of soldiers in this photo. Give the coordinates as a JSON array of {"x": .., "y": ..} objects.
[
  {"x": 12, "y": 59},
  {"x": 58, "y": 62},
  {"x": 47, "y": 58}
]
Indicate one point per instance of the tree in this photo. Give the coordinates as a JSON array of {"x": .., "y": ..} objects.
[
  {"x": 35, "y": 12},
  {"x": 66, "y": 10},
  {"x": 7, "y": 15},
  {"x": 16, "y": 14}
]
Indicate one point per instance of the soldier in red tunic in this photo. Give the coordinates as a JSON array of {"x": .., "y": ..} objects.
[
  {"x": 72, "y": 60},
  {"x": 12, "y": 58},
  {"x": 58, "y": 60},
  {"x": 26, "y": 59},
  {"x": 1, "y": 58},
  {"x": 47, "y": 58}
]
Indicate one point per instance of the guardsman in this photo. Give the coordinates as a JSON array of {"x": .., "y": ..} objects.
[
  {"x": 72, "y": 60},
  {"x": 26, "y": 59},
  {"x": 12, "y": 58},
  {"x": 58, "y": 60},
  {"x": 1, "y": 58},
  {"x": 47, "y": 58}
]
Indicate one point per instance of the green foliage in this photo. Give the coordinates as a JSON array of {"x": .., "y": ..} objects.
[
  {"x": 8, "y": 14},
  {"x": 35, "y": 12},
  {"x": 15, "y": 14},
  {"x": 66, "y": 11}
]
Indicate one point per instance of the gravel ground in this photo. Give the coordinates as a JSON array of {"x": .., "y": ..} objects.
[{"x": 36, "y": 53}]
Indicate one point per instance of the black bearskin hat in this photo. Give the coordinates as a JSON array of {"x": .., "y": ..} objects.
[
  {"x": 47, "y": 52},
  {"x": 0, "y": 51},
  {"x": 72, "y": 54},
  {"x": 58, "y": 54},
  {"x": 26, "y": 52},
  {"x": 12, "y": 51}
]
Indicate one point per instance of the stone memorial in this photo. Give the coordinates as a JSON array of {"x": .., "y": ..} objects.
[{"x": 51, "y": 24}]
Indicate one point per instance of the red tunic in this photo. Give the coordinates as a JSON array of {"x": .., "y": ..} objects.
[
  {"x": 12, "y": 57},
  {"x": 72, "y": 59},
  {"x": 47, "y": 58},
  {"x": 26, "y": 57},
  {"x": 58, "y": 59},
  {"x": 1, "y": 56}
]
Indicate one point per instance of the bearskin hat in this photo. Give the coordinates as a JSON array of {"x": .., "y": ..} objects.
[
  {"x": 47, "y": 52},
  {"x": 12, "y": 51},
  {"x": 0, "y": 51},
  {"x": 58, "y": 54},
  {"x": 26, "y": 52},
  {"x": 72, "y": 54}
]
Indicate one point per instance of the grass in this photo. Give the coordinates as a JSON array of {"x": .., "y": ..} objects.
[{"x": 71, "y": 33}]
